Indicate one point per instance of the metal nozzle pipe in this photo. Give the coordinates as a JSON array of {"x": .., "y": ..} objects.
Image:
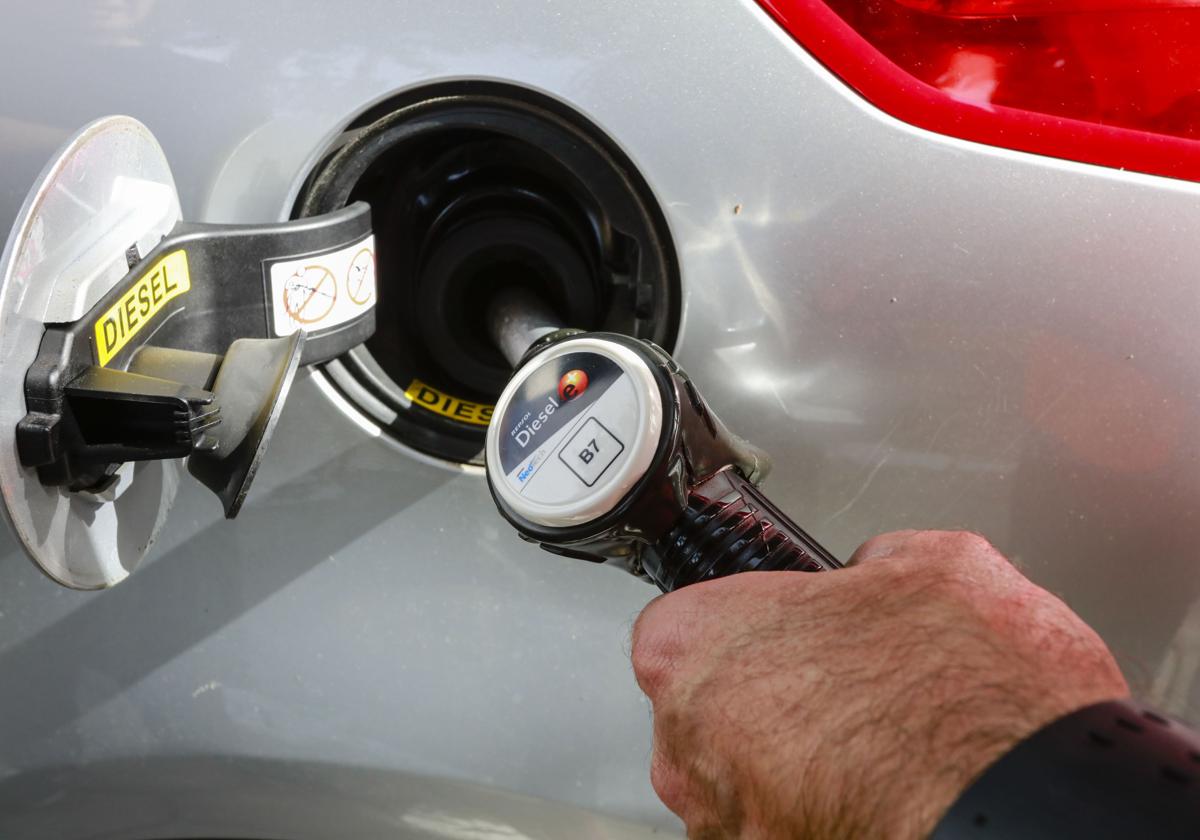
[{"x": 516, "y": 319}]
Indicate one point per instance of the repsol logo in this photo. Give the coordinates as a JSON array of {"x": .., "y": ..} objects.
[
  {"x": 572, "y": 384},
  {"x": 527, "y": 427}
]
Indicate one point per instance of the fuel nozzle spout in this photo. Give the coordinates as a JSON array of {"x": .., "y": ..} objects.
[
  {"x": 518, "y": 320},
  {"x": 601, "y": 448}
]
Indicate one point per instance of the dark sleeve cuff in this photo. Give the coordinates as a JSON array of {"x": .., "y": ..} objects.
[{"x": 1116, "y": 769}]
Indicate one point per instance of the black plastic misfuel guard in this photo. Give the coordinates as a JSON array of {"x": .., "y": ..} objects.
[{"x": 192, "y": 352}]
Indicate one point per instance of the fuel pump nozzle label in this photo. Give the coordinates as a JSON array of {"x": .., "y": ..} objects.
[
  {"x": 546, "y": 405},
  {"x": 570, "y": 427}
]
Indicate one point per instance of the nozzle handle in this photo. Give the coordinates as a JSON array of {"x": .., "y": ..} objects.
[{"x": 729, "y": 526}]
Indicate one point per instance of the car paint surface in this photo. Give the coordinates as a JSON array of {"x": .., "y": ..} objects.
[{"x": 922, "y": 331}]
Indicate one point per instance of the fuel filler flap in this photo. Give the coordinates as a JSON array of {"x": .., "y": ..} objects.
[{"x": 130, "y": 340}]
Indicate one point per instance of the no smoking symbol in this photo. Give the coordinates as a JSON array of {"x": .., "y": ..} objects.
[
  {"x": 360, "y": 279},
  {"x": 309, "y": 295}
]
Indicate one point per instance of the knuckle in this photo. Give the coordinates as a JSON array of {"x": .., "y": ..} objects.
[
  {"x": 668, "y": 784},
  {"x": 960, "y": 566},
  {"x": 881, "y": 546},
  {"x": 877, "y": 546},
  {"x": 971, "y": 543},
  {"x": 953, "y": 548},
  {"x": 656, "y": 647}
]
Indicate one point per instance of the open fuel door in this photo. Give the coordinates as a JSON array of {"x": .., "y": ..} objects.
[{"x": 132, "y": 342}]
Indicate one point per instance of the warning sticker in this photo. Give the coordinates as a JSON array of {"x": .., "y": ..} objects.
[
  {"x": 166, "y": 280},
  {"x": 439, "y": 402},
  {"x": 322, "y": 291}
]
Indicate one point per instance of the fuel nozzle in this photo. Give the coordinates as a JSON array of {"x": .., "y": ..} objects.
[{"x": 601, "y": 448}]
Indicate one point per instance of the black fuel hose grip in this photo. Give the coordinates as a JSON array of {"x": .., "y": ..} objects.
[{"x": 729, "y": 526}]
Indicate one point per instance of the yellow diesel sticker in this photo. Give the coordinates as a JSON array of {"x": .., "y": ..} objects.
[
  {"x": 166, "y": 280},
  {"x": 432, "y": 399}
]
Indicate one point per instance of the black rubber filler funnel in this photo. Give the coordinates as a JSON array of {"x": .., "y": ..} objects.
[{"x": 250, "y": 387}]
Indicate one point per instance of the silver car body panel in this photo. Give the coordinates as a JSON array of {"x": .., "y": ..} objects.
[{"x": 924, "y": 332}]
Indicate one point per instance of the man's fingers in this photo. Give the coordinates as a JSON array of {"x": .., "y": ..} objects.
[
  {"x": 675, "y": 627},
  {"x": 667, "y": 781},
  {"x": 881, "y": 547},
  {"x": 932, "y": 546},
  {"x": 682, "y": 783},
  {"x": 659, "y": 642}
]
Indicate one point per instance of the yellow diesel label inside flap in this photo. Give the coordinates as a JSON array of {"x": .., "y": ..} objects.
[
  {"x": 167, "y": 279},
  {"x": 431, "y": 399}
]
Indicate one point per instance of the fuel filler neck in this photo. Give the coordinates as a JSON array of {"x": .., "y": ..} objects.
[{"x": 601, "y": 448}]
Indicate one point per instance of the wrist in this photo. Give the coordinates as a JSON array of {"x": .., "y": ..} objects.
[
  {"x": 1111, "y": 769},
  {"x": 971, "y": 736}
]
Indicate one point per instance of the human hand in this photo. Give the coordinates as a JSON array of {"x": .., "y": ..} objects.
[{"x": 860, "y": 702}]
